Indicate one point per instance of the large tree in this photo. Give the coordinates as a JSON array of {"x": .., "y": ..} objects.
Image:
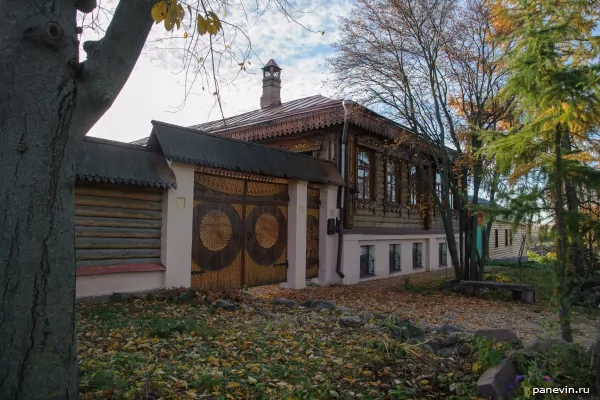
[
  {"x": 435, "y": 67},
  {"x": 49, "y": 100},
  {"x": 554, "y": 78}
]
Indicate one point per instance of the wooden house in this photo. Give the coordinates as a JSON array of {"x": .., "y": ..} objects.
[{"x": 384, "y": 221}]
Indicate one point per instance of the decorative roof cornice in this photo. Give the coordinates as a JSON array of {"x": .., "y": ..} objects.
[{"x": 315, "y": 119}]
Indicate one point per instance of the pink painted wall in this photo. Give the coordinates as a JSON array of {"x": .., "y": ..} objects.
[
  {"x": 176, "y": 250},
  {"x": 125, "y": 282}
]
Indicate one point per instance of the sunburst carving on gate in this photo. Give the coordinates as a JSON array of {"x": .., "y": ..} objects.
[
  {"x": 266, "y": 230},
  {"x": 215, "y": 230}
]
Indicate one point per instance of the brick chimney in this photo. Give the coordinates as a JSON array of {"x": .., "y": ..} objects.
[{"x": 271, "y": 95}]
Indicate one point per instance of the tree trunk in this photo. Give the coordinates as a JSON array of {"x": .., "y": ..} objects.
[
  {"x": 48, "y": 101},
  {"x": 476, "y": 261},
  {"x": 38, "y": 96},
  {"x": 561, "y": 264},
  {"x": 597, "y": 355},
  {"x": 573, "y": 209}
]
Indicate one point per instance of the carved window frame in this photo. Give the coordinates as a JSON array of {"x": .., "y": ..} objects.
[
  {"x": 396, "y": 173},
  {"x": 412, "y": 192},
  {"x": 439, "y": 189},
  {"x": 370, "y": 172}
]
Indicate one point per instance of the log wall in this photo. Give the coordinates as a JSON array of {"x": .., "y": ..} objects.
[{"x": 117, "y": 225}]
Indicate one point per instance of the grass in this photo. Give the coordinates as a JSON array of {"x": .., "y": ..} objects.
[
  {"x": 539, "y": 275},
  {"x": 150, "y": 349},
  {"x": 535, "y": 273}
]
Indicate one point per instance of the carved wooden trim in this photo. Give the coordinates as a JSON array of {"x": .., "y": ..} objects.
[
  {"x": 304, "y": 146},
  {"x": 351, "y": 180},
  {"x": 240, "y": 175},
  {"x": 377, "y": 157},
  {"x": 370, "y": 142},
  {"x": 365, "y": 205},
  {"x": 393, "y": 208}
]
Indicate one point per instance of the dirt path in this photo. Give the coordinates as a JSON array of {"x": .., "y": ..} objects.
[{"x": 386, "y": 295}]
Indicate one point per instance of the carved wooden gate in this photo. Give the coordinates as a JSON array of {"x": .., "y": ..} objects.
[
  {"x": 312, "y": 232},
  {"x": 240, "y": 233}
]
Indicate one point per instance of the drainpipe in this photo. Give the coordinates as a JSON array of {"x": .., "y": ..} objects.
[{"x": 343, "y": 190}]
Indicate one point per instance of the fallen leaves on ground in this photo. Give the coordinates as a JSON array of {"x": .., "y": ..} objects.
[
  {"x": 151, "y": 349},
  {"x": 434, "y": 307}
]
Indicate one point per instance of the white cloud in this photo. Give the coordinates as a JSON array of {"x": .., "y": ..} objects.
[{"x": 154, "y": 91}]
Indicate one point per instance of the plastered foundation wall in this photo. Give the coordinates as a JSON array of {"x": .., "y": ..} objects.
[{"x": 427, "y": 244}]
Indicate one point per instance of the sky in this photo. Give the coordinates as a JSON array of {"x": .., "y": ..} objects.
[{"x": 155, "y": 91}]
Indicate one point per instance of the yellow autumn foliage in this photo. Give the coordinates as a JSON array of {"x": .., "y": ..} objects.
[
  {"x": 210, "y": 24},
  {"x": 172, "y": 13},
  {"x": 497, "y": 278}
]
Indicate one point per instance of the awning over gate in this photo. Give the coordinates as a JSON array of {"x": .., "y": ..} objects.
[{"x": 190, "y": 146}]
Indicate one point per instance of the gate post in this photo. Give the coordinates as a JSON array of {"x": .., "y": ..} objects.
[
  {"x": 296, "y": 238},
  {"x": 178, "y": 214},
  {"x": 328, "y": 244}
]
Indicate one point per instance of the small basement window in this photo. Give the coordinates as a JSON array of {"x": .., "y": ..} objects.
[
  {"x": 367, "y": 261},
  {"x": 395, "y": 260},
  {"x": 443, "y": 250},
  {"x": 417, "y": 255}
]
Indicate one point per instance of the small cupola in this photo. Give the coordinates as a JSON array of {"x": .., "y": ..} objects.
[{"x": 271, "y": 94}]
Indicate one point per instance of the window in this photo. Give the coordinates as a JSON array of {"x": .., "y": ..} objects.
[
  {"x": 443, "y": 254},
  {"x": 367, "y": 262},
  {"x": 438, "y": 187},
  {"x": 365, "y": 174},
  {"x": 392, "y": 194},
  {"x": 506, "y": 238},
  {"x": 395, "y": 259},
  {"x": 417, "y": 255},
  {"x": 495, "y": 237},
  {"x": 412, "y": 186},
  {"x": 510, "y": 236}
]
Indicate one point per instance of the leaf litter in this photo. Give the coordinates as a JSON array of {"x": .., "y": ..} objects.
[{"x": 153, "y": 348}]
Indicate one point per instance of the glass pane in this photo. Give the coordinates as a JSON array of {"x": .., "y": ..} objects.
[
  {"x": 361, "y": 187},
  {"x": 363, "y": 159},
  {"x": 367, "y": 186}
]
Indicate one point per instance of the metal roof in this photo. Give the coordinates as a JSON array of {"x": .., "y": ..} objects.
[
  {"x": 141, "y": 142},
  {"x": 272, "y": 63},
  {"x": 270, "y": 114},
  {"x": 294, "y": 107},
  {"x": 108, "y": 161},
  {"x": 191, "y": 146}
]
